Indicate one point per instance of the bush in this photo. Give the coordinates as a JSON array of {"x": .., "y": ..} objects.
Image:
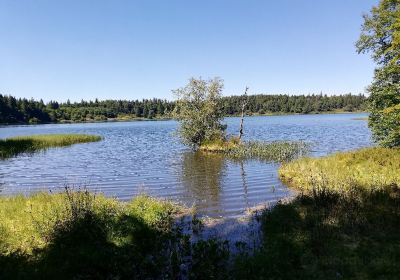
[{"x": 199, "y": 112}]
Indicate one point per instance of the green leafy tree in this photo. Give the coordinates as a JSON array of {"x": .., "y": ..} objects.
[
  {"x": 381, "y": 36},
  {"x": 199, "y": 112}
]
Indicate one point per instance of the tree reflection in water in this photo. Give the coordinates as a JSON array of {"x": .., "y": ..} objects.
[{"x": 203, "y": 176}]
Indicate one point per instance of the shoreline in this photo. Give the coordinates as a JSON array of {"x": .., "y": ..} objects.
[{"x": 169, "y": 118}]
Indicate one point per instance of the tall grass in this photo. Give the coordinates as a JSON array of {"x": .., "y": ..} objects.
[
  {"x": 324, "y": 234},
  {"x": 344, "y": 225},
  {"x": 369, "y": 168},
  {"x": 279, "y": 151},
  {"x": 79, "y": 235},
  {"x": 28, "y": 144}
]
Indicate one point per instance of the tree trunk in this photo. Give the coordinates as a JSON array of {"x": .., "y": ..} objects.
[{"x": 242, "y": 118}]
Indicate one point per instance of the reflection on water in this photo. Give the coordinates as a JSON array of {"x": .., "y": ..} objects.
[
  {"x": 221, "y": 186},
  {"x": 243, "y": 175},
  {"x": 201, "y": 177},
  {"x": 145, "y": 156}
]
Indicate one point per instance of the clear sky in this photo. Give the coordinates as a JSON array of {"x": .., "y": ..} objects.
[{"x": 82, "y": 49}]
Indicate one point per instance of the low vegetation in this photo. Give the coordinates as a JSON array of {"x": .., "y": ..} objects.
[
  {"x": 369, "y": 168},
  {"x": 79, "y": 235},
  {"x": 343, "y": 225},
  {"x": 279, "y": 151},
  {"x": 329, "y": 235},
  {"x": 28, "y": 144}
]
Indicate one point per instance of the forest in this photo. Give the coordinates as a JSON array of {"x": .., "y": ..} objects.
[{"x": 22, "y": 110}]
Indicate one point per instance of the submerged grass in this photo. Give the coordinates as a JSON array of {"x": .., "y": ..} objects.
[
  {"x": 278, "y": 151},
  {"x": 28, "y": 144},
  {"x": 369, "y": 168}
]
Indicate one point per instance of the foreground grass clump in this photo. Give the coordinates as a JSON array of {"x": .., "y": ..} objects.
[
  {"x": 329, "y": 235},
  {"x": 344, "y": 225},
  {"x": 21, "y": 144},
  {"x": 271, "y": 151},
  {"x": 370, "y": 168},
  {"x": 79, "y": 235}
]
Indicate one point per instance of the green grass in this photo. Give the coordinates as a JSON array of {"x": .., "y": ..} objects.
[
  {"x": 369, "y": 168},
  {"x": 79, "y": 235},
  {"x": 278, "y": 151},
  {"x": 28, "y": 144},
  {"x": 343, "y": 225},
  {"x": 328, "y": 235},
  {"x": 82, "y": 235}
]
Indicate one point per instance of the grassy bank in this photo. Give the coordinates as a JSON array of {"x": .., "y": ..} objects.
[
  {"x": 329, "y": 235},
  {"x": 270, "y": 151},
  {"x": 79, "y": 235},
  {"x": 27, "y": 144},
  {"x": 344, "y": 224},
  {"x": 370, "y": 168}
]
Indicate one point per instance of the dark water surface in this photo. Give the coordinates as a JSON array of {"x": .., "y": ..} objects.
[{"x": 145, "y": 157}]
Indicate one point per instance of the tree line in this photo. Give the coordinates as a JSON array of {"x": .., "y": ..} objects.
[{"x": 22, "y": 110}]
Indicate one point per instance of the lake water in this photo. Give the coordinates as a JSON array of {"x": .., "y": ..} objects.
[{"x": 146, "y": 157}]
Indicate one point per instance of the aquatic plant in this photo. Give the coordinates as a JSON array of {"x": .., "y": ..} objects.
[
  {"x": 28, "y": 144},
  {"x": 278, "y": 151}
]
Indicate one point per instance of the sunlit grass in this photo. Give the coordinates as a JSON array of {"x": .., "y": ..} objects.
[
  {"x": 22, "y": 144},
  {"x": 80, "y": 235},
  {"x": 344, "y": 224},
  {"x": 371, "y": 168},
  {"x": 25, "y": 221}
]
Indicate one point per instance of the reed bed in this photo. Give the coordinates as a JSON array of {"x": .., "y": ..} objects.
[
  {"x": 278, "y": 151},
  {"x": 29, "y": 144}
]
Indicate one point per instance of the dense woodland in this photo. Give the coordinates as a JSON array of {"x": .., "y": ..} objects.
[{"x": 13, "y": 110}]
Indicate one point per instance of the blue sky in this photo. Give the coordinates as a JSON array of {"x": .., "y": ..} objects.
[{"x": 85, "y": 49}]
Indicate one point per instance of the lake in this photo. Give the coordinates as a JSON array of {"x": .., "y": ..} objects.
[{"x": 146, "y": 157}]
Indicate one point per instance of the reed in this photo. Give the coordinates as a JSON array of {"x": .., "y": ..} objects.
[
  {"x": 28, "y": 144},
  {"x": 278, "y": 151}
]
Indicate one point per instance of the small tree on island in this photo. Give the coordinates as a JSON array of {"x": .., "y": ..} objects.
[{"x": 198, "y": 109}]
